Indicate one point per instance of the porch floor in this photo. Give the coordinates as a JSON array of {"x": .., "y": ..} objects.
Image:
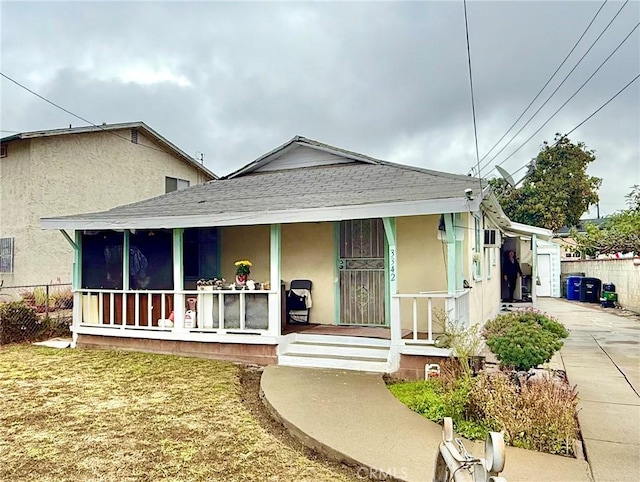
[{"x": 381, "y": 332}]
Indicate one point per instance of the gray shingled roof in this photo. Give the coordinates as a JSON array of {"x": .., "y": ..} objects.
[{"x": 349, "y": 184}]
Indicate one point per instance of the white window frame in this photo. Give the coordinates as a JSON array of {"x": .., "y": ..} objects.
[
  {"x": 180, "y": 183},
  {"x": 477, "y": 248},
  {"x": 7, "y": 248}
]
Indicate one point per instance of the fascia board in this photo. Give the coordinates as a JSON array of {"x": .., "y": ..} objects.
[{"x": 413, "y": 208}]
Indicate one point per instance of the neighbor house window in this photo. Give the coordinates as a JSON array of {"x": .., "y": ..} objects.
[
  {"x": 174, "y": 184},
  {"x": 200, "y": 255},
  {"x": 3, "y": 150},
  {"x": 6, "y": 255}
]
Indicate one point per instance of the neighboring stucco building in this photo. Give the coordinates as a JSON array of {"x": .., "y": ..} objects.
[{"x": 76, "y": 170}]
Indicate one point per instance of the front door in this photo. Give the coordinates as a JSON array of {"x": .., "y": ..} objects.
[{"x": 361, "y": 265}]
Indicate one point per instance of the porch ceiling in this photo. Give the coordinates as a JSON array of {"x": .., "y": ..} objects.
[{"x": 311, "y": 194}]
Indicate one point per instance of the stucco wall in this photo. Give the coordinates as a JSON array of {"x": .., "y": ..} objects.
[
  {"x": 308, "y": 253},
  {"x": 484, "y": 297},
  {"x": 421, "y": 266},
  {"x": 70, "y": 174},
  {"x": 624, "y": 273},
  {"x": 246, "y": 242},
  {"x": 15, "y": 198}
]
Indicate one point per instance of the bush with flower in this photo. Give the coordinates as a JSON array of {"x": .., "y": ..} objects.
[{"x": 243, "y": 267}]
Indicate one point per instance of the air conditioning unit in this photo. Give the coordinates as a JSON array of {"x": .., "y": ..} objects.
[{"x": 491, "y": 238}]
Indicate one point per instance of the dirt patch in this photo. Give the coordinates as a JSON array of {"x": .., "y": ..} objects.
[{"x": 250, "y": 385}]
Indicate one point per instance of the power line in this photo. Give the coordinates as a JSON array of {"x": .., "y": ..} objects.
[
  {"x": 561, "y": 84},
  {"x": 590, "y": 116},
  {"x": 570, "y": 98},
  {"x": 473, "y": 104},
  {"x": 546, "y": 83},
  {"x": 75, "y": 115}
]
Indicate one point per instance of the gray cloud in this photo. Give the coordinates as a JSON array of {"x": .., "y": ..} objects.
[{"x": 234, "y": 80}]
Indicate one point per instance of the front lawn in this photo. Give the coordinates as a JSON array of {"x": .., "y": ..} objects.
[{"x": 114, "y": 416}]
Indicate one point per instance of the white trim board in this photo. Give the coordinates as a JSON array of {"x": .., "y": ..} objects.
[{"x": 336, "y": 213}]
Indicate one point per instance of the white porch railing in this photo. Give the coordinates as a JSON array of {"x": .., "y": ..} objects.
[
  {"x": 183, "y": 312},
  {"x": 456, "y": 309}
]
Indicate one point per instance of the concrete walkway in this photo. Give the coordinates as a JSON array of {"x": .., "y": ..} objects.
[
  {"x": 602, "y": 357},
  {"x": 352, "y": 417}
]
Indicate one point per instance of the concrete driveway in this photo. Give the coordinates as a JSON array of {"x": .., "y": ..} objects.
[{"x": 602, "y": 357}]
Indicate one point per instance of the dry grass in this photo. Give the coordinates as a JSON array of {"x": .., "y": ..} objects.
[
  {"x": 119, "y": 416},
  {"x": 539, "y": 415}
]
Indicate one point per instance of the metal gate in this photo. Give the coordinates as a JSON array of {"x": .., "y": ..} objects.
[{"x": 362, "y": 272}]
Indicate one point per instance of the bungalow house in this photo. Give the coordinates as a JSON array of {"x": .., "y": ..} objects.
[
  {"x": 392, "y": 252},
  {"x": 74, "y": 170}
]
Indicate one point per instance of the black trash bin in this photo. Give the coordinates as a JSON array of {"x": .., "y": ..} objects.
[{"x": 590, "y": 290}]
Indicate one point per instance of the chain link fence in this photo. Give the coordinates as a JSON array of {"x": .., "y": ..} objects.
[{"x": 35, "y": 312}]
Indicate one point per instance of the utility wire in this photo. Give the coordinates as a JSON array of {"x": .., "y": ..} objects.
[
  {"x": 75, "y": 115},
  {"x": 590, "y": 116},
  {"x": 569, "y": 99},
  {"x": 546, "y": 83},
  {"x": 473, "y": 104},
  {"x": 559, "y": 85}
]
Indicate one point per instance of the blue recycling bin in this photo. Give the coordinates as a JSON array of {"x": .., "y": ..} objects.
[{"x": 573, "y": 288}]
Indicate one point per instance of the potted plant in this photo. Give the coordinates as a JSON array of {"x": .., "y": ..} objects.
[{"x": 243, "y": 269}]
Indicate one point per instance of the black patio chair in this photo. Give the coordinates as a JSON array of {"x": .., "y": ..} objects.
[{"x": 297, "y": 306}]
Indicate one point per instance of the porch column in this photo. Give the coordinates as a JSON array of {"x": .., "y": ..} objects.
[
  {"x": 459, "y": 235},
  {"x": 393, "y": 311},
  {"x": 126, "y": 253},
  {"x": 275, "y": 296},
  {"x": 178, "y": 281},
  {"x": 534, "y": 269},
  {"x": 392, "y": 304},
  {"x": 76, "y": 284},
  {"x": 451, "y": 253}
]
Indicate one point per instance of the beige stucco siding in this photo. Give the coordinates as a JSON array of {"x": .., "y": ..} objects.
[
  {"x": 245, "y": 242},
  {"x": 15, "y": 198},
  {"x": 421, "y": 266},
  {"x": 484, "y": 297},
  {"x": 308, "y": 253},
  {"x": 70, "y": 174}
]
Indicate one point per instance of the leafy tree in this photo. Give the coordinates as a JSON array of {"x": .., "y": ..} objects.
[
  {"x": 556, "y": 191},
  {"x": 619, "y": 234}
]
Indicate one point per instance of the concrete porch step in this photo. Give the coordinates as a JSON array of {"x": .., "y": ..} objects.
[
  {"x": 342, "y": 340},
  {"x": 360, "y": 363},
  {"x": 337, "y": 349}
]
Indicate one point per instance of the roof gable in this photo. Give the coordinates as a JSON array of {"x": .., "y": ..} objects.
[{"x": 301, "y": 152}]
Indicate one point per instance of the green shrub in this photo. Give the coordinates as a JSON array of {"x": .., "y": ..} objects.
[
  {"x": 504, "y": 321},
  {"x": 524, "y": 339},
  {"x": 539, "y": 415},
  {"x": 435, "y": 400},
  {"x": 18, "y": 322},
  {"x": 524, "y": 346}
]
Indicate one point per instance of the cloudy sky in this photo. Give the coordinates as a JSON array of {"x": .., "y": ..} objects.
[{"x": 387, "y": 79}]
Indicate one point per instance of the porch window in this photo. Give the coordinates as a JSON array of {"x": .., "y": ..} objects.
[
  {"x": 102, "y": 259},
  {"x": 200, "y": 255},
  {"x": 151, "y": 259}
]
